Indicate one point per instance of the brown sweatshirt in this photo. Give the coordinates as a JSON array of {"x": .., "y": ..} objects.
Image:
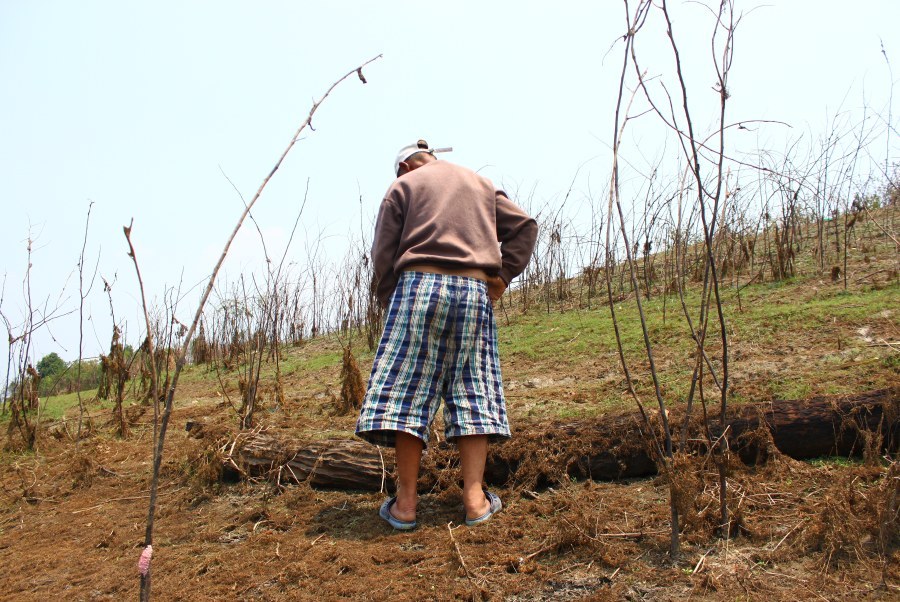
[{"x": 446, "y": 215}]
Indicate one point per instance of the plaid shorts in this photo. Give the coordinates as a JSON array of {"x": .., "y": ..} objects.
[{"x": 439, "y": 341}]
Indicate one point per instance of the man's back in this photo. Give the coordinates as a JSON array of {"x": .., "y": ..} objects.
[
  {"x": 449, "y": 216},
  {"x": 444, "y": 214}
]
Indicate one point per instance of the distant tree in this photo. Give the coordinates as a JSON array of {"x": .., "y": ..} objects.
[{"x": 51, "y": 365}]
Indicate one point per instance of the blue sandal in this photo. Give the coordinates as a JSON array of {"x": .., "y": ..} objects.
[
  {"x": 385, "y": 513},
  {"x": 495, "y": 507}
]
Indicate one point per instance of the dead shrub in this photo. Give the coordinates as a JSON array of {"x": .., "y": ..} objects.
[
  {"x": 685, "y": 483},
  {"x": 114, "y": 374},
  {"x": 694, "y": 489},
  {"x": 847, "y": 525},
  {"x": 203, "y": 463},
  {"x": 352, "y": 388},
  {"x": 32, "y": 386},
  {"x": 756, "y": 446},
  {"x": 251, "y": 399},
  {"x": 134, "y": 413},
  {"x": 207, "y": 461},
  {"x": 887, "y": 500},
  {"x": 872, "y": 444},
  {"x": 24, "y": 482},
  {"x": 201, "y": 348},
  {"x": 576, "y": 522},
  {"x": 235, "y": 351},
  {"x": 83, "y": 470},
  {"x": 873, "y": 440},
  {"x": 24, "y": 400},
  {"x": 278, "y": 393}
]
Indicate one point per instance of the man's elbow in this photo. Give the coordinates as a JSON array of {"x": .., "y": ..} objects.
[{"x": 529, "y": 233}]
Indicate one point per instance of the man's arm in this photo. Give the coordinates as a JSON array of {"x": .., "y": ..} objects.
[
  {"x": 388, "y": 228},
  {"x": 516, "y": 233}
]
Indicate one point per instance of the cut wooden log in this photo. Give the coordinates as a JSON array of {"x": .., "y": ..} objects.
[
  {"x": 333, "y": 464},
  {"x": 605, "y": 448}
]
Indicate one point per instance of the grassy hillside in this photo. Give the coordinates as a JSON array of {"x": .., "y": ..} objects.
[{"x": 788, "y": 339}]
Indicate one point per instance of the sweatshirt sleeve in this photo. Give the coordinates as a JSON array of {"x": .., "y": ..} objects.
[
  {"x": 516, "y": 233},
  {"x": 388, "y": 228}
]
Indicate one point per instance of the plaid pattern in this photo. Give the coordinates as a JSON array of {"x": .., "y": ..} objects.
[{"x": 439, "y": 341}]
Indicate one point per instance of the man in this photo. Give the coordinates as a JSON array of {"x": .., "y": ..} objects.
[{"x": 438, "y": 269}]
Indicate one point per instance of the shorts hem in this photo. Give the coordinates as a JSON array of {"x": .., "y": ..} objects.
[
  {"x": 387, "y": 437},
  {"x": 493, "y": 435}
]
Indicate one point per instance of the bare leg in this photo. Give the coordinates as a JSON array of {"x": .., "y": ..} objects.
[
  {"x": 409, "y": 456},
  {"x": 473, "y": 456}
]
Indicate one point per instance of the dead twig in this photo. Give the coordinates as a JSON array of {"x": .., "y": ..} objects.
[
  {"x": 189, "y": 335},
  {"x": 880, "y": 227},
  {"x": 794, "y": 528},
  {"x": 700, "y": 562},
  {"x": 635, "y": 534},
  {"x": 867, "y": 276},
  {"x": 383, "y": 469},
  {"x": 122, "y": 499},
  {"x": 895, "y": 345},
  {"x": 459, "y": 556}
]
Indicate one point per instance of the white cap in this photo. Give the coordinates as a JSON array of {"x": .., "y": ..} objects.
[{"x": 419, "y": 147}]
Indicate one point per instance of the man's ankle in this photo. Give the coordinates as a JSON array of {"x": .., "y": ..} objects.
[
  {"x": 406, "y": 501},
  {"x": 476, "y": 503}
]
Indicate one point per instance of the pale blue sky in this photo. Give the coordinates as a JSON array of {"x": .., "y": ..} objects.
[{"x": 137, "y": 106}]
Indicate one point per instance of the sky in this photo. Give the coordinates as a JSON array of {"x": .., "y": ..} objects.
[{"x": 163, "y": 112}]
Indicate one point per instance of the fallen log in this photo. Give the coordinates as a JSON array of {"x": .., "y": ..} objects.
[
  {"x": 332, "y": 464},
  {"x": 605, "y": 448}
]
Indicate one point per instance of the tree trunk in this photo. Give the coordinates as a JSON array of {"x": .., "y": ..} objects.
[{"x": 604, "y": 448}]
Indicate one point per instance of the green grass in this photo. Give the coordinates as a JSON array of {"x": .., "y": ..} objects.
[
  {"x": 790, "y": 388},
  {"x": 805, "y": 329},
  {"x": 314, "y": 363},
  {"x": 309, "y": 358},
  {"x": 541, "y": 337},
  {"x": 826, "y": 461},
  {"x": 55, "y": 407}
]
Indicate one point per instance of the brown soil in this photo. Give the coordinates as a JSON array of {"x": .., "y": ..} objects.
[{"x": 72, "y": 525}]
